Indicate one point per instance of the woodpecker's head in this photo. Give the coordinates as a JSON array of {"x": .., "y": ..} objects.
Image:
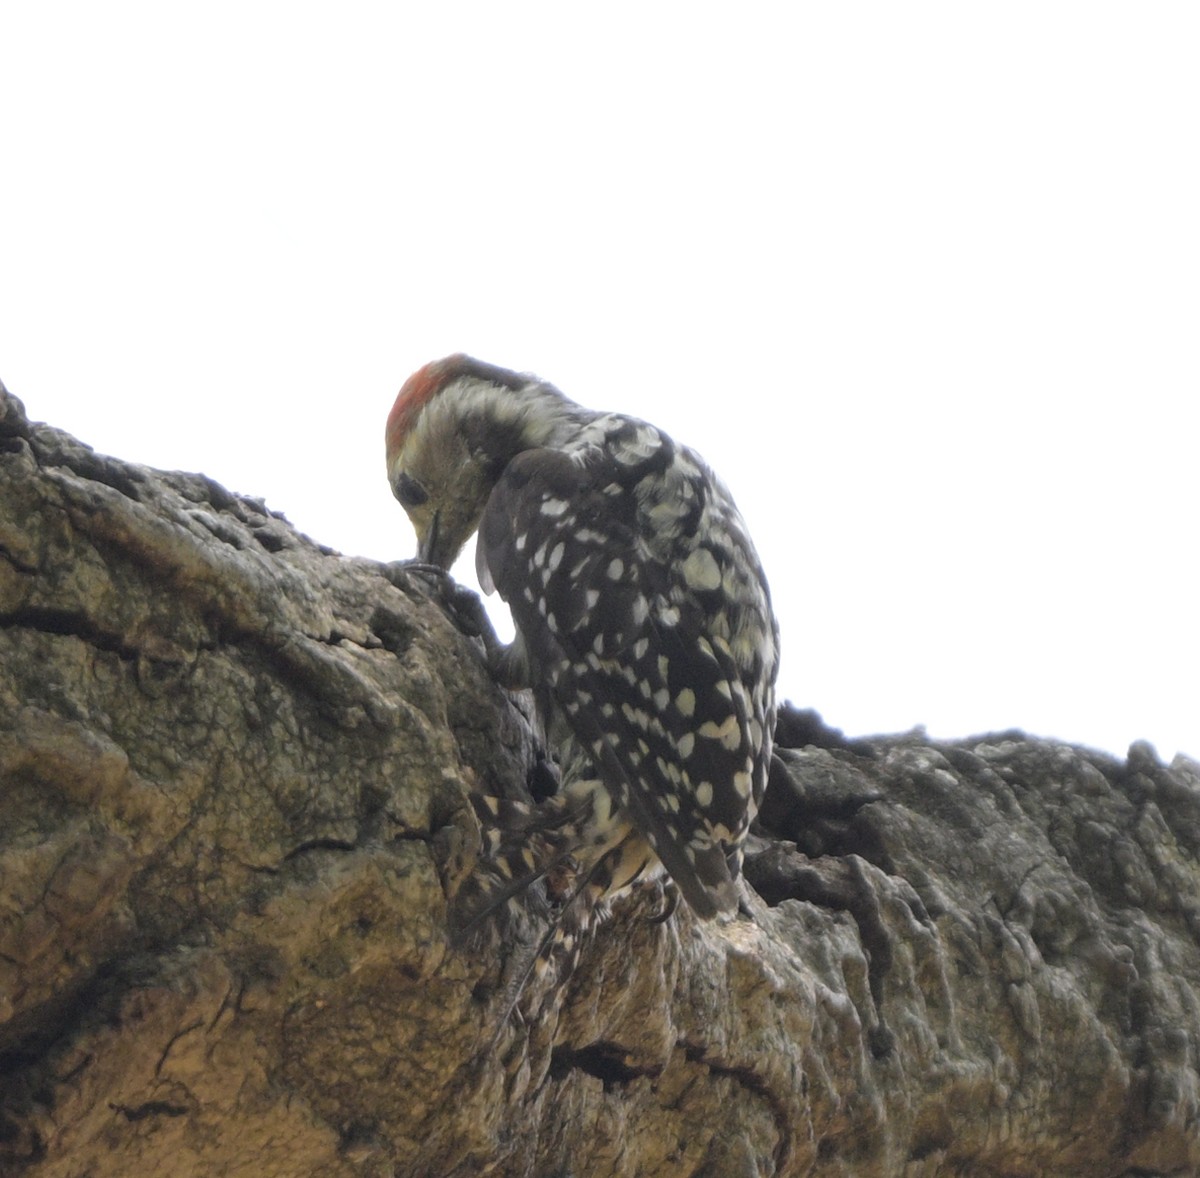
[{"x": 455, "y": 426}]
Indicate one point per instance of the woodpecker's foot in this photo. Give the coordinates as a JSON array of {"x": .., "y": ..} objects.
[{"x": 463, "y": 606}]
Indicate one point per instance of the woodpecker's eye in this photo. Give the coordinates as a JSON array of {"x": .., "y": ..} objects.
[{"x": 410, "y": 492}]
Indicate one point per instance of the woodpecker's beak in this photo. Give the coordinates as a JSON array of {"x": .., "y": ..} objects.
[{"x": 427, "y": 545}]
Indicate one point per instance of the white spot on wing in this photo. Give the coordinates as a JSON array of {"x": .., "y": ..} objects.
[
  {"x": 728, "y": 732},
  {"x": 701, "y": 571}
]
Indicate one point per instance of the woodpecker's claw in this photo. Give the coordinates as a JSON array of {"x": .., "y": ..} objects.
[
  {"x": 670, "y": 903},
  {"x": 423, "y": 569}
]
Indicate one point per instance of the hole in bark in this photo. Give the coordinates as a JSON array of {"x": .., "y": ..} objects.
[
  {"x": 605, "y": 1061},
  {"x": 392, "y": 630}
]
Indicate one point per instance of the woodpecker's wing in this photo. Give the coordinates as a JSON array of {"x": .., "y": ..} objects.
[{"x": 618, "y": 562}]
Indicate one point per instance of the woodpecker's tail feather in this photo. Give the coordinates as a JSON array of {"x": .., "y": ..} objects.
[
  {"x": 521, "y": 845},
  {"x": 536, "y": 851},
  {"x": 553, "y": 959}
]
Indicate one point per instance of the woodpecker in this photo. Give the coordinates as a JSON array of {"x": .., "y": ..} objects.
[{"x": 643, "y": 622}]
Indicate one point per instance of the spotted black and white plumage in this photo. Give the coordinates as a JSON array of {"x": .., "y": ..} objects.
[{"x": 643, "y": 622}]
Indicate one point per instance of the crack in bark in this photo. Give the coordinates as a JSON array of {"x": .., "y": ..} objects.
[
  {"x": 319, "y": 844},
  {"x": 151, "y": 1108},
  {"x": 181, "y": 1033},
  {"x": 16, "y": 562},
  {"x": 69, "y": 624},
  {"x": 747, "y": 1078}
]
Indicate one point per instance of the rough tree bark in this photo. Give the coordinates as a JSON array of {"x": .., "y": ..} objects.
[{"x": 233, "y": 777}]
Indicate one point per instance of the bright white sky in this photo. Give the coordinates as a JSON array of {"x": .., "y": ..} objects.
[{"x": 922, "y": 281}]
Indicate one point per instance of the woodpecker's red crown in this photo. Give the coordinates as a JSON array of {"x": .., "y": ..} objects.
[
  {"x": 426, "y": 383},
  {"x": 416, "y": 393}
]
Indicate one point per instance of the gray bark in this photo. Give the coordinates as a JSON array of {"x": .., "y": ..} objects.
[{"x": 234, "y": 772}]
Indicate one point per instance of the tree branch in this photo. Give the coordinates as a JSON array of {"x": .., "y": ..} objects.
[{"x": 234, "y": 780}]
